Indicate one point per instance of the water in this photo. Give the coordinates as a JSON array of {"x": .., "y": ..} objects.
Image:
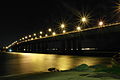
[{"x": 19, "y": 63}]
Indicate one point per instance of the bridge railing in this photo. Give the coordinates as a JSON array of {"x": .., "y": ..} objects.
[{"x": 74, "y": 31}]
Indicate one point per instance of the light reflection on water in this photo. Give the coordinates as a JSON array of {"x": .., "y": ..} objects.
[{"x": 15, "y": 63}]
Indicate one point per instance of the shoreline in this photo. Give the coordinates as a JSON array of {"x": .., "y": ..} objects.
[
  {"x": 74, "y": 75},
  {"x": 78, "y": 53},
  {"x": 82, "y": 72}
]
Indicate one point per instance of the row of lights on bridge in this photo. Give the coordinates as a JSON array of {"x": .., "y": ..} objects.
[
  {"x": 62, "y": 26},
  {"x": 83, "y": 20},
  {"x": 78, "y": 28}
]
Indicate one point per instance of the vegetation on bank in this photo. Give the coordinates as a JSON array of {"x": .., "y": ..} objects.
[{"x": 96, "y": 68}]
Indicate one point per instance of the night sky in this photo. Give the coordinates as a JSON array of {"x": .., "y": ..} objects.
[{"x": 18, "y": 22}]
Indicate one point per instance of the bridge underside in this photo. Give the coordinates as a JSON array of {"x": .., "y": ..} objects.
[{"x": 101, "y": 39}]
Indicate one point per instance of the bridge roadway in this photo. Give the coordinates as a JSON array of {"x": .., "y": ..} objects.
[{"x": 104, "y": 38}]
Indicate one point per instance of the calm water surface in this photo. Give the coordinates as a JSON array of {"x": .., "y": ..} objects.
[{"x": 17, "y": 63}]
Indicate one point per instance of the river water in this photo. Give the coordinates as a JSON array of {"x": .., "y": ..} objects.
[{"x": 19, "y": 63}]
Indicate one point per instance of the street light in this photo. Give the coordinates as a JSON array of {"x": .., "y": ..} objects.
[
  {"x": 40, "y": 36},
  {"x": 34, "y": 34},
  {"x": 29, "y": 36},
  {"x": 100, "y": 23},
  {"x": 62, "y": 26},
  {"x": 26, "y": 37},
  {"x": 22, "y": 38},
  {"x": 41, "y": 32},
  {"x": 46, "y": 35},
  {"x": 53, "y": 33},
  {"x": 32, "y": 39},
  {"x": 84, "y": 19},
  {"x": 49, "y": 29},
  {"x": 36, "y": 38},
  {"x": 78, "y": 28},
  {"x": 6, "y": 47},
  {"x": 64, "y": 31}
]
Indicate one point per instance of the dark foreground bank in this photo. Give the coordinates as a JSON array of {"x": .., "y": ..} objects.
[{"x": 82, "y": 72}]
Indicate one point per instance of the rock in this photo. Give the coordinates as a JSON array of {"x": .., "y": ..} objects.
[
  {"x": 53, "y": 70},
  {"x": 82, "y": 67}
]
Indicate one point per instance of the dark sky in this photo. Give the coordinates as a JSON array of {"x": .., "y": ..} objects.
[{"x": 18, "y": 22}]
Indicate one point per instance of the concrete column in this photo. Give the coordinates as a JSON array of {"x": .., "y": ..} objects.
[{"x": 79, "y": 43}]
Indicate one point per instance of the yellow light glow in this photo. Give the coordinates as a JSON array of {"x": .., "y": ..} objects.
[
  {"x": 49, "y": 29},
  {"x": 29, "y": 39},
  {"x": 34, "y": 34},
  {"x": 78, "y": 28},
  {"x": 53, "y": 33},
  {"x": 26, "y": 40},
  {"x": 100, "y": 23},
  {"x": 24, "y": 49},
  {"x": 30, "y": 36},
  {"x": 41, "y": 32},
  {"x": 32, "y": 39},
  {"x": 26, "y": 37},
  {"x": 62, "y": 26},
  {"x": 6, "y": 47},
  {"x": 64, "y": 31},
  {"x": 36, "y": 38},
  {"x": 84, "y": 19},
  {"x": 22, "y": 38},
  {"x": 46, "y": 35},
  {"x": 40, "y": 36}
]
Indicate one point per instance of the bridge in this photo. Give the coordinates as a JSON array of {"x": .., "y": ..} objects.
[{"x": 100, "y": 38}]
